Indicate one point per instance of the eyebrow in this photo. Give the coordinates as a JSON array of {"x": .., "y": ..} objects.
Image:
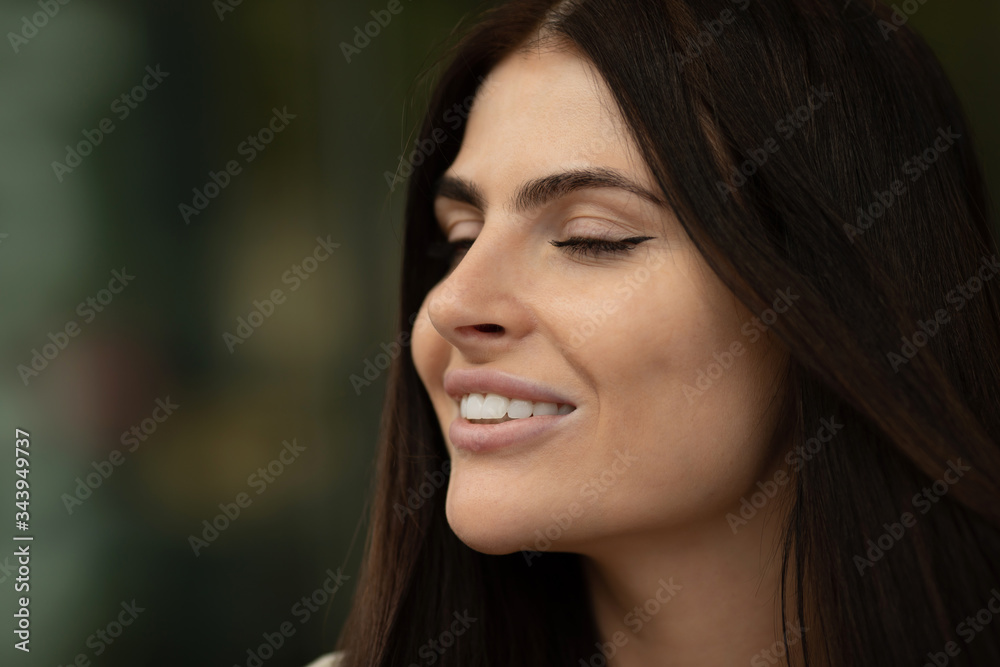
[{"x": 540, "y": 191}]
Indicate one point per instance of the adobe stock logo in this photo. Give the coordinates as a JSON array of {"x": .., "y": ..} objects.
[
  {"x": 434, "y": 648},
  {"x": 753, "y": 329},
  {"x": 915, "y": 167},
  {"x": 712, "y": 29},
  {"x": 958, "y": 297},
  {"x": 223, "y": 7},
  {"x": 900, "y": 15},
  {"x": 248, "y": 149},
  {"x": 775, "y": 653},
  {"x": 122, "y": 106},
  {"x": 303, "y": 610},
  {"x": 635, "y": 620},
  {"x": 591, "y": 490},
  {"x": 362, "y": 38},
  {"x": 38, "y": 20},
  {"x": 294, "y": 276},
  {"x": 924, "y": 501},
  {"x": 624, "y": 290},
  {"x": 85, "y": 486},
  {"x": 87, "y": 309},
  {"x": 967, "y": 629},
  {"x": 786, "y": 128},
  {"x": 415, "y": 498},
  {"x": 382, "y": 361},
  {"x": 796, "y": 459},
  {"x": 230, "y": 512},
  {"x": 102, "y": 638}
]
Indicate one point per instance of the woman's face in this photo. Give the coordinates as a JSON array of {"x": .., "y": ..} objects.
[{"x": 669, "y": 380}]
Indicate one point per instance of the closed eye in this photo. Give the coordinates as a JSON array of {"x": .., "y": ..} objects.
[
  {"x": 575, "y": 245},
  {"x": 595, "y": 247}
]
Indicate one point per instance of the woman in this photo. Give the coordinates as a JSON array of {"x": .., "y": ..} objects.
[{"x": 708, "y": 374}]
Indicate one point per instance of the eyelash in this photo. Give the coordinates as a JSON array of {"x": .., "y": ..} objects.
[{"x": 575, "y": 245}]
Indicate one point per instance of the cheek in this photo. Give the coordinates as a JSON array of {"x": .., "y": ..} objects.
[
  {"x": 430, "y": 351},
  {"x": 431, "y": 356},
  {"x": 672, "y": 392}
]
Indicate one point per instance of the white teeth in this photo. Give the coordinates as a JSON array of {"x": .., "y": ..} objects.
[
  {"x": 519, "y": 409},
  {"x": 495, "y": 406},
  {"x": 474, "y": 408}
]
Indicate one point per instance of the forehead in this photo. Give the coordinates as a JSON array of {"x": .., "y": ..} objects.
[{"x": 539, "y": 112}]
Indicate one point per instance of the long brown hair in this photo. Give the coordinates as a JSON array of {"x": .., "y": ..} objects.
[{"x": 799, "y": 142}]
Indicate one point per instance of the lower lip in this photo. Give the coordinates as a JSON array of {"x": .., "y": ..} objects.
[{"x": 489, "y": 437}]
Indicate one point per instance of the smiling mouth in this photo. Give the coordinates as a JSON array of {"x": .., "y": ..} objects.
[
  {"x": 496, "y": 409},
  {"x": 491, "y": 421}
]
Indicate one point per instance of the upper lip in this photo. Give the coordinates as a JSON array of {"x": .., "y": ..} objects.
[{"x": 461, "y": 381}]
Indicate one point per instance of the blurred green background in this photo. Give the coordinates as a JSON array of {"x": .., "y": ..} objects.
[{"x": 116, "y": 528}]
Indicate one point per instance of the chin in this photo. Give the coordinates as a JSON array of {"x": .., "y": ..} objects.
[
  {"x": 477, "y": 530},
  {"x": 491, "y": 517}
]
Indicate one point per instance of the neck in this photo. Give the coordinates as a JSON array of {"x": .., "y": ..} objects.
[{"x": 694, "y": 596}]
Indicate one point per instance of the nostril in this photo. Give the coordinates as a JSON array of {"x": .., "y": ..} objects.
[{"x": 488, "y": 328}]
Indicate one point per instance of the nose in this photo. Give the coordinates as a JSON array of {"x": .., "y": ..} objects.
[{"x": 481, "y": 307}]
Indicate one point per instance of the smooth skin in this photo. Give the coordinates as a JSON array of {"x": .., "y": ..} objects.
[{"x": 620, "y": 336}]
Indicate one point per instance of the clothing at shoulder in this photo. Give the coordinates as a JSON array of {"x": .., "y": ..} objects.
[{"x": 328, "y": 660}]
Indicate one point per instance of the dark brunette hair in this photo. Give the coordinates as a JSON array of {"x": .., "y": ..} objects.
[{"x": 799, "y": 142}]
